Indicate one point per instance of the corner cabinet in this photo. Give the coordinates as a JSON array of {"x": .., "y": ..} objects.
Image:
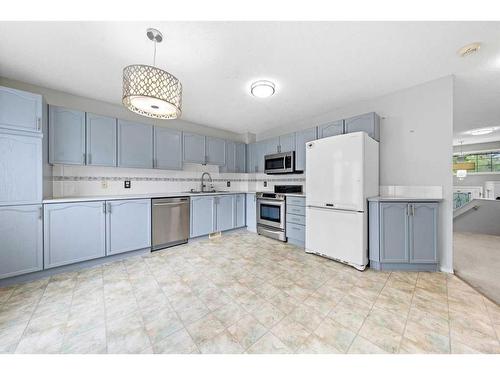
[
  {"x": 20, "y": 110},
  {"x": 403, "y": 235},
  {"x": 135, "y": 145},
  {"x": 66, "y": 136},
  {"x": 21, "y": 236}
]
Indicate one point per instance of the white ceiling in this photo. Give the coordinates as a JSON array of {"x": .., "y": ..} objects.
[{"x": 316, "y": 66}]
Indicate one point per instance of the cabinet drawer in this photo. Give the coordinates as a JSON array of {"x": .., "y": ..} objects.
[
  {"x": 295, "y": 219},
  {"x": 296, "y": 201},
  {"x": 296, "y": 210},
  {"x": 296, "y": 231}
]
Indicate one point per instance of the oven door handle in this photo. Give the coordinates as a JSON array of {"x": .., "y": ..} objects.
[{"x": 270, "y": 201}]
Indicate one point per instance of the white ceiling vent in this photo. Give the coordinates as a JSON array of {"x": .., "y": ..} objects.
[{"x": 469, "y": 49}]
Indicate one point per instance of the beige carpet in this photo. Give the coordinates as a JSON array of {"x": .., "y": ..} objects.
[{"x": 477, "y": 261}]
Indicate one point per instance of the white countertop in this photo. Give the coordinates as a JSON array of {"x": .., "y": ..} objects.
[
  {"x": 135, "y": 196},
  {"x": 402, "y": 199}
]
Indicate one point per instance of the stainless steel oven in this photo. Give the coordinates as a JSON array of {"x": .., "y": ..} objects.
[
  {"x": 271, "y": 215},
  {"x": 280, "y": 163}
]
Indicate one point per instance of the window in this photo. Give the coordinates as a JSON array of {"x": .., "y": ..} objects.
[{"x": 483, "y": 162}]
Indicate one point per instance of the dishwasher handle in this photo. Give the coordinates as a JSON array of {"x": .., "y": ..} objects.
[{"x": 170, "y": 204}]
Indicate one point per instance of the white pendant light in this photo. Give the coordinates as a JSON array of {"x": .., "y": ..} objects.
[
  {"x": 151, "y": 91},
  {"x": 461, "y": 174}
]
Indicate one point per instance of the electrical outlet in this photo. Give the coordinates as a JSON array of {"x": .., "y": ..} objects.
[
  {"x": 104, "y": 184},
  {"x": 228, "y": 183},
  {"x": 126, "y": 184},
  {"x": 265, "y": 183}
]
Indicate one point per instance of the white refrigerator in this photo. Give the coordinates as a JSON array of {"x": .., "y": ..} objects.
[{"x": 341, "y": 173}]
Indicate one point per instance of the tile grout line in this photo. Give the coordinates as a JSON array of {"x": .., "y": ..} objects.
[{"x": 408, "y": 313}]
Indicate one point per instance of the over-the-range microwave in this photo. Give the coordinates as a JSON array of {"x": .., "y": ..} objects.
[{"x": 281, "y": 163}]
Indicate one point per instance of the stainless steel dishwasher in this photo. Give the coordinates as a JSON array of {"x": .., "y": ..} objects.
[{"x": 170, "y": 222}]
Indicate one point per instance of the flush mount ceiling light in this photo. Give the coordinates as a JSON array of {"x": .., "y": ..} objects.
[
  {"x": 262, "y": 89},
  {"x": 151, "y": 91},
  {"x": 469, "y": 49},
  {"x": 482, "y": 131}
]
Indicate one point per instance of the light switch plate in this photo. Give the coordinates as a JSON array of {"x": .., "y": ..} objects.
[{"x": 127, "y": 184}]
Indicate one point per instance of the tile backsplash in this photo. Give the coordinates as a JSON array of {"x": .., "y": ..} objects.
[{"x": 74, "y": 181}]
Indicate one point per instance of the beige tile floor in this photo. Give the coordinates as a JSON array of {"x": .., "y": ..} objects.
[{"x": 242, "y": 293}]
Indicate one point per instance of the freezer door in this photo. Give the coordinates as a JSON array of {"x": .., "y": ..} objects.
[
  {"x": 337, "y": 234},
  {"x": 334, "y": 172}
]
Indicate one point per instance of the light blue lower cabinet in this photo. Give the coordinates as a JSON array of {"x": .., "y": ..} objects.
[
  {"x": 21, "y": 249},
  {"x": 251, "y": 213},
  {"x": 403, "y": 235},
  {"x": 74, "y": 232},
  {"x": 296, "y": 220},
  {"x": 239, "y": 210},
  {"x": 224, "y": 213},
  {"x": 128, "y": 225},
  {"x": 296, "y": 234},
  {"x": 202, "y": 215}
]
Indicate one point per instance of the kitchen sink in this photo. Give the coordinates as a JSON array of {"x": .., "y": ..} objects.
[{"x": 204, "y": 192}]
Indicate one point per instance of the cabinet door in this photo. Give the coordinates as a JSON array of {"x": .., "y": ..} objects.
[
  {"x": 368, "y": 122},
  {"x": 239, "y": 210},
  {"x": 250, "y": 162},
  {"x": 194, "y": 148},
  {"x": 128, "y": 225},
  {"x": 301, "y": 138},
  {"x": 272, "y": 146},
  {"x": 287, "y": 142},
  {"x": 216, "y": 151},
  {"x": 21, "y": 176},
  {"x": 73, "y": 232},
  {"x": 202, "y": 215},
  {"x": 260, "y": 152},
  {"x": 240, "y": 158},
  {"x": 330, "y": 129},
  {"x": 135, "y": 145},
  {"x": 394, "y": 232},
  {"x": 423, "y": 232},
  {"x": 66, "y": 136},
  {"x": 101, "y": 140},
  {"x": 21, "y": 236},
  {"x": 20, "y": 110},
  {"x": 251, "y": 212},
  {"x": 224, "y": 212},
  {"x": 230, "y": 164},
  {"x": 167, "y": 148}
]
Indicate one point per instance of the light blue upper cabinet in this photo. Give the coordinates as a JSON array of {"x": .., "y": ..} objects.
[
  {"x": 21, "y": 240},
  {"x": 240, "y": 162},
  {"x": 261, "y": 150},
  {"x": 251, "y": 166},
  {"x": 251, "y": 212},
  {"x": 194, "y": 148},
  {"x": 128, "y": 225},
  {"x": 394, "y": 232},
  {"x": 135, "y": 145},
  {"x": 20, "y": 110},
  {"x": 230, "y": 164},
  {"x": 216, "y": 151},
  {"x": 73, "y": 232},
  {"x": 101, "y": 140},
  {"x": 168, "y": 148},
  {"x": 239, "y": 210},
  {"x": 202, "y": 215},
  {"x": 301, "y": 138},
  {"x": 368, "y": 122},
  {"x": 330, "y": 129},
  {"x": 66, "y": 136},
  {"x": 225, "y": 212},
  {"x": 21, "y": 175},
  {"x": 272, "y": 146},
  {"x": 423, "y": 233},
  {"x": 287, "y": 142}
]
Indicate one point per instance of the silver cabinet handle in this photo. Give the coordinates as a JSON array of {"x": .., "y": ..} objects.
[
  {"x": 40, "y": 213},
  {"x": 38, "y": 123},
  {"x": 89, "y": 158},
  {"x": 84, "y": 158},
  {"x": 407, "y": 210},
  {"x": 412, "y": 210},
  {"x": 103, "y": 207},
  {"x": 109, "y": 208}
]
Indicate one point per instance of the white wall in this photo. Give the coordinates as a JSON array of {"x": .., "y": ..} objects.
[
  {"x": 113, "y": 110},
  {"x": 416, "y": 136}
]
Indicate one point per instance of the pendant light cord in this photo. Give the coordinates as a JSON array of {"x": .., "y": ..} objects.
[{"x": 154, "y": 54}]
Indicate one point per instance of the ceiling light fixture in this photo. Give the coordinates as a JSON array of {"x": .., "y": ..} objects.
[
  {"x": 151, "y": 91},
  {"x": 469, "y": 49},
  {"x": 262, "y": 89},
  {"x": 482, "y": 131}
]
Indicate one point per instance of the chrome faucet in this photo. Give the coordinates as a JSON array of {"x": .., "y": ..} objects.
[{"x": 202, "y": 179}]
